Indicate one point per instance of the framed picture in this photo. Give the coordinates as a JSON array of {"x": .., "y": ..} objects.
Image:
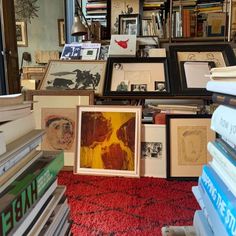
[
  {"x": 108, "y": 140},
  {"x": 136, "y": 76},
  {"x": 187, "y": 138},
  {"x": 71, "y": 51},
  {"x": 72, "y": 74},
  {"x": 218, "y": 54},
  {"x": 121, "y": 7},
  {"x": 129, "y": 24},
  {"x": 55, "y": 111},
  {"x": 153, "y": 151},
  {"x": 21, "y": 34},
  {"x": 61, "y": 31}
]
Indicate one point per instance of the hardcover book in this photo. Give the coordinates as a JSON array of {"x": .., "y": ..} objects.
[
  {"x": 18, "y": 198},
  {"x": 224, "y": 99},
  {"x": 122, "y": 45}
]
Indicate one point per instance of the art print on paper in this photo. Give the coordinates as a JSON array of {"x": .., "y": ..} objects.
[
  {"x": 79, "y": 75},
  {"x": 152, "y": 150},
  {"x": 59, "y": 125},
  {"x": 192, "y": 143},
  {"x": 110, "y": 143}
]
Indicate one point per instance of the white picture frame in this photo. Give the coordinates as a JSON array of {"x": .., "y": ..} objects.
[{"x": 153, "y": 151}]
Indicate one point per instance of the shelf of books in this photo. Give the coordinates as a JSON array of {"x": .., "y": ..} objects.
[
  {"x": 216, "y": 192},
  {"x": 31, "y": 201}
]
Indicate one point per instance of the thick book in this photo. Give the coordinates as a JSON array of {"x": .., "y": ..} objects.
[
  {"x": 17, "y": 149},
  {"x": 222, "y": 73},
  {"x": 222, "y": 199},
  {"x": 224, "y": 123},
  {"x": 222, "y": 86},
  {"x": 224, "y": 99},
  {"x": 201, "y": 224},
  {"x": 11, "y": 99},
  {"x": 14, "y": 129},
  {"x": 18, "y": 198}
]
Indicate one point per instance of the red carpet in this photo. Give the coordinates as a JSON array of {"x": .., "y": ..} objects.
[{"x": 127, "y": 206}]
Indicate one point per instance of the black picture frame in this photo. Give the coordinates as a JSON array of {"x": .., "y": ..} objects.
[
  {"x": 183, "y": 132},
  {"x": 139, "y": 77},
  {"x": 220, "y": 54},
  {"x": 129, "y": 24}
]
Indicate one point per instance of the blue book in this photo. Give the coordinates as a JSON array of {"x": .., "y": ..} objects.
[
  {"x": 201, "y": 224},
  {"x": 223, "y": 201}
]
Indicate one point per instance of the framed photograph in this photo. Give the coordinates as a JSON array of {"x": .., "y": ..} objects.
[
  {"x": 129, "y": 24},
  {"x": 153, "y": 151},
  {"x": 187, "y": 138},
  {"x": 122, "y": 7},
  {"x": 218, "y": 54},
  {"x": 61, "y": 31},
  {"x": 55, "y": 111},
  {"x": 108, "y": 140},
  {"x": 136, "y": 76},
  {"x": 21, "y": 34},
  {"x": 72, "y": 74}
]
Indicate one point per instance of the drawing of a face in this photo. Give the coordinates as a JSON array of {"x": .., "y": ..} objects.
[{"x": 59, "y": 132}]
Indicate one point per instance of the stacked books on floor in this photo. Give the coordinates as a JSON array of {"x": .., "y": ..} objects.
[
  {"x": 216, "y": 190},
  {"x": 31, "y": 201}
]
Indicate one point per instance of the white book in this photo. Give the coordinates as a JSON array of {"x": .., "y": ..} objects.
[
  {"x": 226, "y": 87},
  {"x": 224, "y": 123},
  {"x": 223, "y": 73}
]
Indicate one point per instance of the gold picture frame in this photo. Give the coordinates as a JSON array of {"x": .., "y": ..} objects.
[
  {"x": 108, "y": 140},
  {"x": 21, "y": 34},
  {"x": 59, "y": 107},
  {"x": 61, "y": 31},
  {"x": 74, "y": 74},
  {"x": 187, "y": 138}
]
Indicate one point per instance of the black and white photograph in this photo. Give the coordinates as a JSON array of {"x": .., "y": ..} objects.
[
  {"x": 160, "y": 86},
  {"x": 104, "y": 52},
  {"x": 151, "y": 149},
  {"x": 63, "y": 74},
  {"x": 138, "y": 87}
]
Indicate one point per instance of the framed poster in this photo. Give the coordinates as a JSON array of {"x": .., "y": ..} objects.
[
  {"x": 55, "y": 111},
  {"x": 21, "y": 34},
  {"x": 72, "y": 74},
  {"x": 219, "y": 54},
  {"x": 137, "y": 76},
  {"x": 153, "y": 150},
  {"x": 187, "y": 138},
  {"x": 108, "y": 140}
]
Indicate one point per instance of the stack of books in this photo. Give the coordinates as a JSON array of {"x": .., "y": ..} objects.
[
  {"x": 31, "y": 201},
  {"x": 216, "y": 190}
]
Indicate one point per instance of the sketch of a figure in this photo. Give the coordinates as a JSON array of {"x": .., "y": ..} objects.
[{"x": 192, "y": 148}]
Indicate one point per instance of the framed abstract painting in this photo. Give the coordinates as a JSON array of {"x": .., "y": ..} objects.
[{"x": 108, "y": 140}]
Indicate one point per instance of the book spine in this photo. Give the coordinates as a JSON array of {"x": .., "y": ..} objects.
[
  {"x": 33, "y": 189},
  {"x": 224, "y": 123},
  {"x": 224, "y": 99},
  {"x": 222, "y": 199}
]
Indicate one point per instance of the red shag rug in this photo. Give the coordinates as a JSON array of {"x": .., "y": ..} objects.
[{"x": 127, "y": 206}]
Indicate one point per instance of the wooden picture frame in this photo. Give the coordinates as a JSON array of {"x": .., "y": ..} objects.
[
  {"x": 136, "y": 77},
  {"x": 187, "y": 137},
  {"x": 21, "y": 34},
  {"x": 153, "y": 151},
  {"x": 61, "y": 31},
  {"x": 221, "y": 54},
  {"x": 108, "y": 140},
  {"x": 129, "y": 24},
  {"x": 74, "y": 74},
  {"x": 58, "y": 108}
]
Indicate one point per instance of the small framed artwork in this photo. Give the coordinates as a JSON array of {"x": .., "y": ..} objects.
[
  {"x": 187, "y": 138},
  {"x": 108, "y": 140},
  {"x": 72, "y": 74},
  {"x": 71, "y": 51},
  {"x": 21, "y": 34},
  {"x": 153, "y": 151},
  {"x": 55, "y": 111},
  {"x": 217, "y": 55},
  {"x": 61, "y": 31},
  {"x": 137, "y": 76},
  {"x": 129, "y": 24}
]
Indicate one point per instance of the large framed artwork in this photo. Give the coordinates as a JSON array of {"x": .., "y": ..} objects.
[
  {"x": 197, "y": 59},
  {"x": 55, "y": 111},
  {"x": 153, "y": 151},
  {"x": 187, "y": 138},
  {"x": 136, "y": 76},
  {"x": 74, "y": 74},
  {"x": 108, "y": 140}
]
